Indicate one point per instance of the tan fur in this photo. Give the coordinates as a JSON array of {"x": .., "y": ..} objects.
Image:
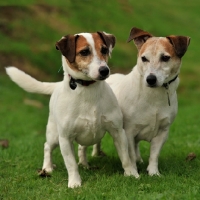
[{"x": 98, "y": 45}]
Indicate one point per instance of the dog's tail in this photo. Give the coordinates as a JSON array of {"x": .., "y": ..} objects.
[{"x": 28, "y": 83}]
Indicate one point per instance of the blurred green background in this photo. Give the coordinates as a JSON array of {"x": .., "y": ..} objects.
[{"x": 28, "y": 33}]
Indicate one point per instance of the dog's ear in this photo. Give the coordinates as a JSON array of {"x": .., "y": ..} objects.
[
  {"x": 180, "y": 44},
  {"x": 67, "y": 46},
  {"x": 139, "y": 36},
  {"x": 108, "y": 39}
]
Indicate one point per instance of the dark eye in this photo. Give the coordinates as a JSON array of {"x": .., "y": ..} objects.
[
  {"x": 85, "y": 52},
  {"x": 104, "y": 50},
  {"x": 165, "y": 58},
  {"x": 144, "y": 59}
]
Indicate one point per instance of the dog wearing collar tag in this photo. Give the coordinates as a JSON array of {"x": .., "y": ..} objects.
[
  {"x": 82, "y": 106},
  {"x": 148, "y": 111}
]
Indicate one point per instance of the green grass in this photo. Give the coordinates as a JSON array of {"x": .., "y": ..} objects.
[
  {"x": 28, "y": 35},
  {"x": 24, "y": 127}
]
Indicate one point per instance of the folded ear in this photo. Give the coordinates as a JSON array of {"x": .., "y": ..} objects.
[
  {"x": 107, "y": 38},
  {"x": 67, "y": 46},
  {"x": 180, "y": 44},
  {"x": 139, "y": 36}
]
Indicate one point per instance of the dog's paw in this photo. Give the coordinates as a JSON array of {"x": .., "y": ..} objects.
[
  {"x": 132, "y": 173},
  {"x": 48, "y": 169},
  {"x": 153, "y": 171},
  {"x": 84, "y": 165},
  {"x": 74, "y": 183},
  {"x": 43, "y": 173}
]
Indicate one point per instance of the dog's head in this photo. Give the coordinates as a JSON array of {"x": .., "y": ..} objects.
[
  {"x": 85, "y": 55},
  {"x": 159, "y": 58}
]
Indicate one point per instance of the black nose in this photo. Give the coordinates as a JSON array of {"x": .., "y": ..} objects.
[
  {"x": 104, "y": 71},
  {"x": 151, "y": 80}
]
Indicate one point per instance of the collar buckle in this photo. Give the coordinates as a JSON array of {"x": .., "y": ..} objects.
[{"x": 73, "y": 82}]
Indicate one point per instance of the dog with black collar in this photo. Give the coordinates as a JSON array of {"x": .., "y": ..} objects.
[
  {"x": 83, "y": 107},
  {"x": 147, "y": 95}
]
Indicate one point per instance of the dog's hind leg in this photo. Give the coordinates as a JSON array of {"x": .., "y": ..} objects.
[
  {"x": 97, "y": 150},
  {"x": 50, "y": 144},
  {"x": 82, "y": 156},
  {"x": 137, "y": 152}
]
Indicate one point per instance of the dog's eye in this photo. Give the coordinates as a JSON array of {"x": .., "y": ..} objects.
[
  {"x": 165, "y": 58},
  {"x": 104, "y": 50},
  {"x": 85, "y": 52},
  {"x": 144, "y": 59}
]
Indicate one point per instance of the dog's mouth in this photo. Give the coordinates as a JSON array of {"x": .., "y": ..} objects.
[
  {"x": 102, "y": 78},
  {"x": 152, "y": 86}
]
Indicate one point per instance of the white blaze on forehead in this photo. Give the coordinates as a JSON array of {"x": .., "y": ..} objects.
[
  {"x": 156, "y": 46},
  {"x": 90, "y": 40}
]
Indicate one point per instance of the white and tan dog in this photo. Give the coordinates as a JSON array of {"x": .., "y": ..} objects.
[
  {"x": 82, "y": 107},
  {"x": 147, "y": 95}
]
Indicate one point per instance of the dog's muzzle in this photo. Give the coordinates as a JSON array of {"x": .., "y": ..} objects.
[{"x": 151, "y": 80}]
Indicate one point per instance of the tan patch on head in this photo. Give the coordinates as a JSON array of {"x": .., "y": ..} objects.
[
  {"x": 81, "y": 43},
  {"x": 158, "y": 44},
  {"x": 81, "y": 62},
  {"x": 98, "y": 43},
  {"x": 168, "y": 47}
]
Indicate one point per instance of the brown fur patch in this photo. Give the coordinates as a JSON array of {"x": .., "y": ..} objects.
[
  {"x": 98, "y": 45},
  {"x": 81, "y": 62},
  {"x": 162, "y": 43}
]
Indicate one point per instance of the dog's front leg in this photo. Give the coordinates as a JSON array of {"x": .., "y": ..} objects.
[
  {"x": 132, "y": 146},
  {"x": 67, "y": 150},
  {"x": 121, "y": 144},
  {"x": 156, "y": 145}
]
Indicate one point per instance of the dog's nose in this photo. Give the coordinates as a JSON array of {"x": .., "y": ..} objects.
[
  {"x": 104, "y": 71},
  {"x": 151, "y": 80}
]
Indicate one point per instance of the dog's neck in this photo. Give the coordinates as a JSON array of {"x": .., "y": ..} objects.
[
  {"x": 73, "y": 82},
  {"x": 166, "y": 85}
]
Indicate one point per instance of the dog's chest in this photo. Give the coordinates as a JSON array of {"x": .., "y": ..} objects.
[
  {"x": 151, "y": 120},
  {"x": 86, "y": 115},
  {"x": 89, "y": 129},
  {"x": 85, "y": 124},
  {"x": 151, "y": 126}
]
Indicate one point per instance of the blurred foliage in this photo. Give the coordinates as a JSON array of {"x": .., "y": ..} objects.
[{"x": 28, "y": 32}]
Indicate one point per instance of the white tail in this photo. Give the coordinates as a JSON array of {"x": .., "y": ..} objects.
[{"x": 28, "y": 83}]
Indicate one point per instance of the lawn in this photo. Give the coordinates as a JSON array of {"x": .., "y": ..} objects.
[
  {"x": 28, "y": 35},
  {"x": 24, "y": 126}
]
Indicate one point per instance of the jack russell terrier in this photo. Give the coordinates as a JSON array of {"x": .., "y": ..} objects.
[
  {"x": 83, "y": 107},
  {"x": 147, "y": 95}
]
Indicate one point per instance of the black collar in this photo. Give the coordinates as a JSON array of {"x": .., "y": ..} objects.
[
  {"x": 166, "y": 85},
  {"x": 73, "y": 85}
]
